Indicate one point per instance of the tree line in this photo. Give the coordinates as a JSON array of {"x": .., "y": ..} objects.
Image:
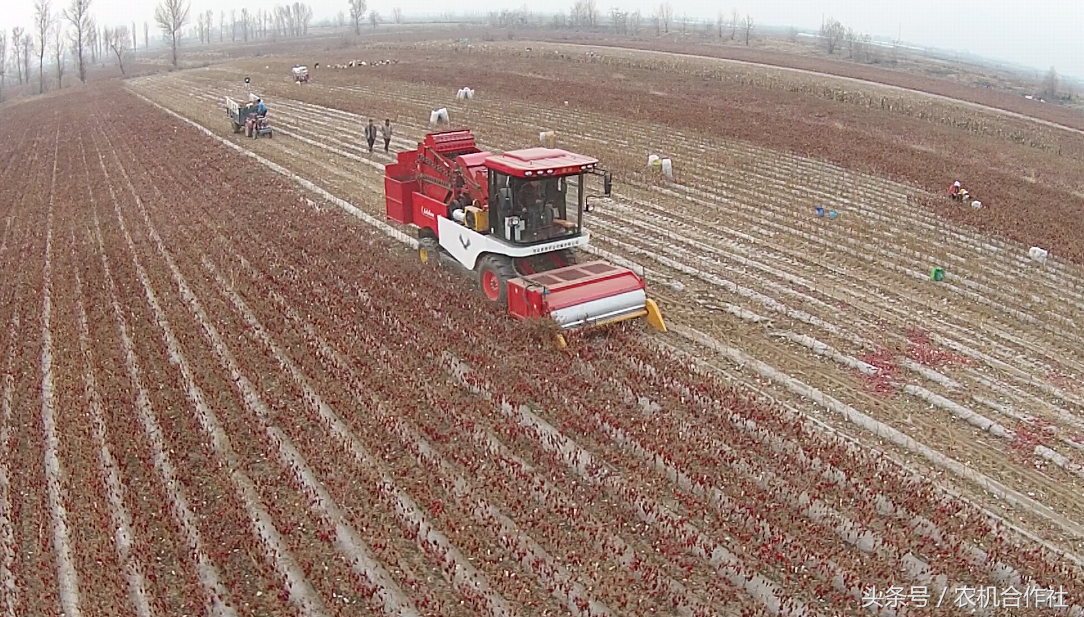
[
  {"x": 71, "y": 33},
  {"x": 586, "y": 15}
]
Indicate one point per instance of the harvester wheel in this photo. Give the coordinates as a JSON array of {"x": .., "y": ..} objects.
[
  {"x": 495, "y": 271},
  {"x": 429, "y": 251}
]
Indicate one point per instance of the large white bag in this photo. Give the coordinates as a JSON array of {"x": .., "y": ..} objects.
[{"x": 439, "y": 115}]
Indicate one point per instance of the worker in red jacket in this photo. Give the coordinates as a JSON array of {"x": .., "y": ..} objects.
[{"x": 954, "y": 190}]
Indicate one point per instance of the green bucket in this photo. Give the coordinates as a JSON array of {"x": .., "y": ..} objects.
[{"x": 937, "y": 274}]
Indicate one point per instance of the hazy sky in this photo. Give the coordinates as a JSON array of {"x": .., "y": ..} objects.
[{"x": 1038, "y": 33}]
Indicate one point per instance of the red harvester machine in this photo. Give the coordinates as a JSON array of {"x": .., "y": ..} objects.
[{"x": 514, "y": 219}]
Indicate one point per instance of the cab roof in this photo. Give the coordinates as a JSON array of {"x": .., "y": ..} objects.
[{"x": 532, "y": 162}]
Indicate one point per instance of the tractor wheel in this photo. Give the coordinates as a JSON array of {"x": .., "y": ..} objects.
[
  {"x": 429, "y": 251},
  {"x": 494, "y": 273},
  {"x": 270, "y": 134}
]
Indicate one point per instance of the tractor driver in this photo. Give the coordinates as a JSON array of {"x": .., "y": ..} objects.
[
  {"x": 529, "y": 201},
  {"x": 261, "y": 109}
]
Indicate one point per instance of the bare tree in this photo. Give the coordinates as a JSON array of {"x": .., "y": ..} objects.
[
  {"x": 171, "y": 16},
  {"x": 357, "y": 13},
  {"x": 634, "y": 23},
  {"x": 16, "y": 47},
  {"x": 684, "y": 23},
  {"x": 119, "y": 43},
  {"x": 304, "y": 17},
  {"x": 397, "y": 15},
  {"x": 146, "y": 35},
  {"x": 719, "y": 23},
  {"x": 233, "y": 25},
  {"x": 28, "y": 51},
  {"x": 221, "y": 25},
  {"x": 747, "y": 24},
  {"x": 25, "y": 48},
  {"x": 43, "y": 20},
  {"x": 580, "y": 14},
  {"x": 340, "y": 19},
  {"x": 3, "y": 62},
  {"x": 92, "y": 41},
  {"x": 78, "y": 15},
  {"x": 664, "y": 13},
  {"x": 374, "y": 18},
  {"x": 734, "y": 19},
  {"x": 619, "y": 20},
  {"x": 832, "y": 33},
  {"x": 1050, "y": 84},
  {"x": 59, "y": 51}
]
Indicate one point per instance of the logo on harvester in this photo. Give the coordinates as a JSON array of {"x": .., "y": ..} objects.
[
  {"x": 465, "y": 241},
  {"x": 427, "y": 212}
]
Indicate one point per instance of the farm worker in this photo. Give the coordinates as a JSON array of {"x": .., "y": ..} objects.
[
  {"x": 261, "y": 109},
  {"x": 370, "y": 134},
  {"x": 954, "y": 190},
  {"x": 386, "y": 132}
]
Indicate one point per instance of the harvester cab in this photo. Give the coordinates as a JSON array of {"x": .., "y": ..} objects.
[{"x": 514, "y": 219}]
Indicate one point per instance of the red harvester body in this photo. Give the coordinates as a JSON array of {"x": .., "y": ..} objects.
[{"x": 515, "y": 219}]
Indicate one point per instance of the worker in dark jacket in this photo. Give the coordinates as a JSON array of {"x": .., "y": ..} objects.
[
  {"x": 370, "y": 134},
  {"x": 386, "y": 132}
]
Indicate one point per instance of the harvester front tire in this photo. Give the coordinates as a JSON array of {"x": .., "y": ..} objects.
[
  {"x": 494, "y": 272},
  {"x": 429, "y": 251}
]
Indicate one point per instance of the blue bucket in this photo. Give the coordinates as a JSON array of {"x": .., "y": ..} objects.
[{"x": 820, "y": 211}]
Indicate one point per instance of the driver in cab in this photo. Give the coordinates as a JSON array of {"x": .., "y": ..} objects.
[{"x": 538, "y": 213}]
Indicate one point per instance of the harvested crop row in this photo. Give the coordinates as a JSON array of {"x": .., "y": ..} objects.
[
  {"x": 263, "y": 226},
  {"x": 910, "y": 411}
]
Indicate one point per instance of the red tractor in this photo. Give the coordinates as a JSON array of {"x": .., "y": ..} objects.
[{"x": 515, "y": 220}]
